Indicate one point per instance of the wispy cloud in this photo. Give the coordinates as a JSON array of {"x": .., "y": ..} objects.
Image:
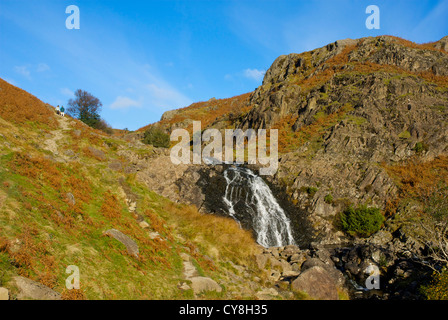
[
  {"x": 23, "y": 71},
  {"x": 165, "y": 97},
  {"x": 125, "y": 103},
  {"x": 435, "y": 19},
  {"x": 42, "y": 67},
  {"x": 254, "y": 74},
  {"x": 67, "y": 92}
]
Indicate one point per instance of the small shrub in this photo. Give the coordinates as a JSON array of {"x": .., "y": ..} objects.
[
  {"x": 362, "y": 221},
  {"x": 310, "y": 190},
  {"x": 438, "y": 289},
  {"x": 420, "y": 147},
  {"x": 404, "y": 135},
  {"x": 73, "y": 294},
  {"x": 111, "y": 206},
  {"x": 328, "y": 199},
  {"x": 157, "y": 137},
  {"x": 103, "y": 126}
]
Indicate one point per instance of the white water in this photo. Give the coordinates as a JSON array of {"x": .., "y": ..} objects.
[{"x": 248, "y": 196}]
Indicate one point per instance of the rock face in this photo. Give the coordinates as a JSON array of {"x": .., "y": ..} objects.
[
  {"x": 29, "y": 289},
  {"x": 130, "y": 244},
  {"x": 344, "y": 112},
  {"x": 354, "y": 104}
]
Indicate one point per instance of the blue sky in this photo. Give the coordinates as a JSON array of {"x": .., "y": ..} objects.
[{"x": 141, "y": 58}]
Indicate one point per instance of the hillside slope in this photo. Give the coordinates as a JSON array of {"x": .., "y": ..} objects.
[
  {"x": 347, "y": 114},
  {"x": 362, "y": 123},
  {"x": 69, "y": 196}
]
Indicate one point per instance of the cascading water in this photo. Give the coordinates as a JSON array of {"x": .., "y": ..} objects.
[{"x": 250, "y": 200}]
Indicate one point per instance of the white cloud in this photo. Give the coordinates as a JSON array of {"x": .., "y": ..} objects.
[
  {"x": 254, "y": 74},
  {"x": 125, "y": 103},
  {"x": 41, "y": 67},
  {"x": 23, "y": 70},
  {"x": 67, "y": 92},
  {"x": 166, "y": 97}
]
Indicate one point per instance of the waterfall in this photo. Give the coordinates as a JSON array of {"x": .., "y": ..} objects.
[{"x": 249, "y": 199}]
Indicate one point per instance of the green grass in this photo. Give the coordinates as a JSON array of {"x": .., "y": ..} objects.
[
  {"x": 439, "y": 108},
  {"x": 356, "y": 120},
  {"x": 404, "y": 135}
]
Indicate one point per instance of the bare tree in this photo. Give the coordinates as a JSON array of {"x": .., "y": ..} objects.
[
  {"x": 436, "y": 224},
  {"x": 85, "y": 107}
]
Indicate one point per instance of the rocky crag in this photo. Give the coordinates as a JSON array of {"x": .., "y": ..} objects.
[{"x": 347, "y": 114}]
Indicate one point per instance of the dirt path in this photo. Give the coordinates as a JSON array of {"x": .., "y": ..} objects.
[{"x": 53, "y": 143}]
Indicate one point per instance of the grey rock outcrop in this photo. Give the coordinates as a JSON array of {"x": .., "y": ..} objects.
[
  {"x": 366, "y": 117},
  {"x": 131, "y": 245},
  {"x": 32, "y": 290}
]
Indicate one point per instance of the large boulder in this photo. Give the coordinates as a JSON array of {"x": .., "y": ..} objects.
[
  {"x": 4, "y": 294},
  {"x": 336, "y": 275},
  {"x": 317, "y": 283},
  {"x": 32, "y": 290},
  {"x": 130, "y": 244},
  {"x": 202, "y": 284}
]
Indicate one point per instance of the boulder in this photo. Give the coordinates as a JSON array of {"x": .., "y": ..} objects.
[
  {"x": 32, "y": 290},
  {"x": 4, "y": 294},
  {"x": 201, "y": 284},
  {"x": 116, "y": 165},
  {"x": 261, "y": 260},
  {"x": 100, "y": 155},
  {"x": 289, "y": 251},
  {"x": 317, "y": 283},
  {"x": 144, "y": 225},
  {"x": 130, "y": 244},
  {"x": 290, "y": 274},
  {"x": 267, "y": 294},
  {"x": 332, "y": 272},
  {"x": 71, "y": 198}
]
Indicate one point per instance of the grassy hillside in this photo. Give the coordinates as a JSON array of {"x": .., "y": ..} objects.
[
  {"x": 216, "y": 113},
  {"x": 63, "y": 184}
]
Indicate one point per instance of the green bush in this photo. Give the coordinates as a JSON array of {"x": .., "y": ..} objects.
[
  {"x": 328, "y": 199},
  {"x": 310, "y": 190},
  {"x": 404, "y": 135},
  {"x": 157, "y": 137},
  {"x": 362, "y": 221},
  {"x": 438, "y": 289},
  {"x": 420, "y": 147}
]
